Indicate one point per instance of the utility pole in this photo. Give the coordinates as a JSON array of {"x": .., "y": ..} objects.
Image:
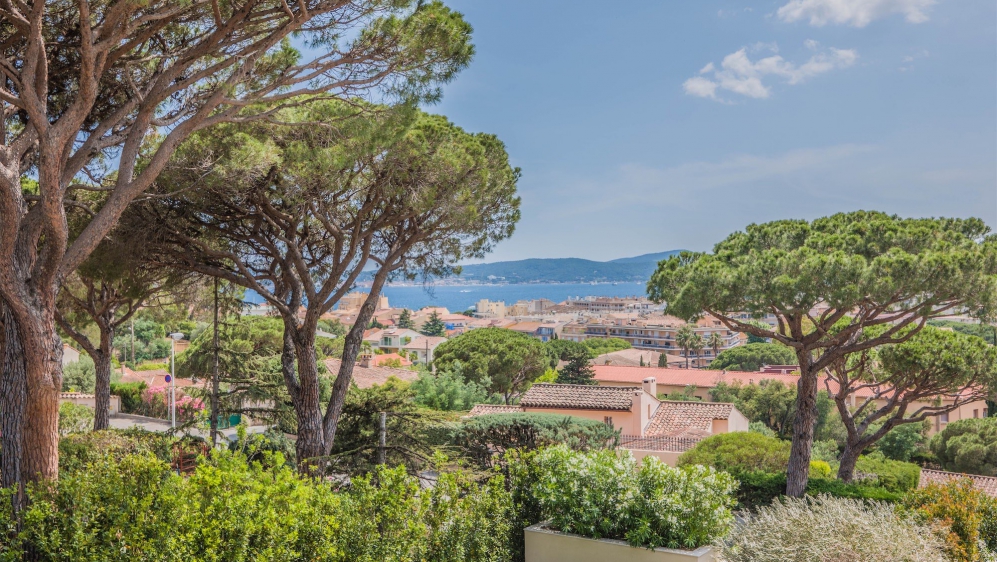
[{"x": 214, "y": 376}]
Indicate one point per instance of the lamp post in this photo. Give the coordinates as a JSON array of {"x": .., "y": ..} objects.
[{"x": 173, "y": 376}]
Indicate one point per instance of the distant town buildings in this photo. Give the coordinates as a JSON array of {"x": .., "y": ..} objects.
[{"x": 351, "y": 302}]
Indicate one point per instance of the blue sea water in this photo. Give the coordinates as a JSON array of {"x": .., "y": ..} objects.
[{"x": 460, "y": 297}]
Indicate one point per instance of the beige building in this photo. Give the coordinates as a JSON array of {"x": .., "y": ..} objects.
[
  {"x": 353, "y": 301},
  {"x": 657, "y": 333},
  {"x": 489, "y": 309}
]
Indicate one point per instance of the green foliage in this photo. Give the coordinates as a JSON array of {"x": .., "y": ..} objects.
[
  {"x": 130, "y": 394},
  {"x": 151, "y": 367},
  {"x": 503, "y": 361},
  {"x": 334, "y": 327},
  {"x": 74, "y": 418},
  {"x": 982, "y": 331},
  {"x": 759, "y": 427},
  {"x": 753, "y": 356},
  {"x": 968, "y": 446},
  {"x": 604, "y": 494},
  {"x": 688, "y": 394},
  {"x": 434, "y": 326},
  {"x": 260, "y": 447},
  {"x": 78, "y": 451},
  {"x": 565, "y": 350},
  {"x": 895, "y": 476},
  {"x": 829, "y": 529},
  {"x": 738, "y": 452},
  {"x": 904, "y": 441},
  {"x": 662, "y": 360},
  {"x": 690, "y": 342},
  {"x": 600, "y": 346},
  {"x": 965, "y": 517},
  {"x": 448, "y": 390},
  {"x": 826, "y": 451},
  {"x": 485, "y": 439},
  {"x": 770, "y": 402},
  {"x": 820, "y": 469},
  {"x": 760, "y": 488},
  {"x": 578, "y": 370},
  {"x": 136, "y": 508},
  {"x": 405, "y": 319},
  {"x": 79, "y": 376}
]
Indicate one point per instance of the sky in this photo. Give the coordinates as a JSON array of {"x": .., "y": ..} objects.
[{"x": 649, "y": 126}]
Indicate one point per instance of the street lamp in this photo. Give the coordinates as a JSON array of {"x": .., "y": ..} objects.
[{"x": 174, "y": 337}]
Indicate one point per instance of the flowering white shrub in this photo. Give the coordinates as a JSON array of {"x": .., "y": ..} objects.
[
  {"x": 829, "y": 529},
  {"x": 603, "y": 494}
]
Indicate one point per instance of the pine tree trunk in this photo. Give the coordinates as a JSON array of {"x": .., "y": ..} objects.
[
  {"x": 12, "y": 404},
  {"x": 798, "y": 471},
  {"x": 307, "y": 405},
  {"x": 214, "y": 373},
  {"x": 43, "y": 366},
  {"x": 846, "y": 470},
  {"x": 102, "y": 392}
]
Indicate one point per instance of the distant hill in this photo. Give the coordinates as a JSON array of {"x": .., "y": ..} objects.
[{"x": 565, "y": 270}]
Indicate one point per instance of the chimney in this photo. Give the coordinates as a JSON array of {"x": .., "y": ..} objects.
[
  {"x": 366, "y": 359},
  {"x": 650, "y": 386}
]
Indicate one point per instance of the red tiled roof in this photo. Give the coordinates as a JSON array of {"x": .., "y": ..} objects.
[
  {"x": 578, "y": 397},
  {"x": 679, "y": 418},
  {"x": 985, "y": 484},
  {"x": 659, "y": 443},
  {"x": 378, "y": 360},
  {"x": 366, "y": 377},
  {"x": 482, "y": 409}
]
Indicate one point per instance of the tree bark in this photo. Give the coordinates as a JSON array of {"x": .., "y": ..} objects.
[
  {"x": 299, "y": 357},
  {"x": 798, "y": 471},
  {"x": 102, "y": 388},
  {"x": 13, "y": 398},
  {"x": 846, "y": 470},
  {"x": 214, "y": 373}
]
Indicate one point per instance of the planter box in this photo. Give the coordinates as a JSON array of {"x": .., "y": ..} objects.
[{"x": 545, "y": 545}]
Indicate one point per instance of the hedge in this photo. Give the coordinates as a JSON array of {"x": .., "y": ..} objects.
[
  {"x": 486, "y": 438},
  {"x": 130, "y": 394},
  {"x": 760, "y": 488}
]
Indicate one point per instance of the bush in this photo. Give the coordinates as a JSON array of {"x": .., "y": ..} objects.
[
  {"x": 74, "y": 418},
  {"x": 820, "y": 469},
  {"x": 78, "y": 450},
  {"x": 152, "y": 367},
  {"x": 604, "y": 494},
  {"x": 601, "y": 346},
  {"x": 895, "y": 476},
  {"x": 752, "y": 356},
  {"x": 828, "y": 529},
  {"x": 229, "y": 509},
  {"x": 486, "y": 438},
  {"x": 79, "y": 376},
  {"x": 966, "y": 517},
  {"x": 130, "y": 394},
  {"x": 760, "y": 427},
  {"x": 759, "y": 489},
  {"x": 737, "y": 452},
  {"x": 258, "y": 446},
  {"x": 968, "y": 446}
]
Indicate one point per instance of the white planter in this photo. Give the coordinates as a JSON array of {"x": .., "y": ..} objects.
[{"x": 545, "y": 545}]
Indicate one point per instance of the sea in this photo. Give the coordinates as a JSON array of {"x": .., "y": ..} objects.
[{"x": 456, "y": 298}]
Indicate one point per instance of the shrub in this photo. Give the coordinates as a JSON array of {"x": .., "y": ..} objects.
[
  {"x": 74, "y": 418},
  {"x": 826, "y": 451},
  {"x": 130, "y": 394},
  {"x": 828, "y": 529},
  {"x": 603, "y": 494},
  {"x": 968, "y": 446},
  {"x": 820, "y": 469},
  {"x": 78, "y": 450},
  {"x": 762, "y": 488},
  {"x": 152, "y": 367},
  {"x": 79, "y": 376},
  {"x": 737, "y": 452},
  {"x": 229, "y": 509},
  {"x": 155, "y": 402},
  {"x": 258, "y": 446},
  {"x": 486, "y": 438},
  {"x": 895, "y": 476},
  {"x": 965, "y": 517},
  {"x": 760, "y": 427}
]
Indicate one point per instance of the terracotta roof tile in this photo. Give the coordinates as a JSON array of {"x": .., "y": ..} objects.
[
  {"x": 578, "y": 397},
  {"x": 678, "y": 418},
  {"x": 668, "y": 444},
  {"x": 482, "y": 409},
  {"x": 366, "y": 377},
  {"x": 986, "y": 484}
]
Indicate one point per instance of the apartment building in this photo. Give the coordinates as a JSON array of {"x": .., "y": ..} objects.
[
  {"x": 656, "y": 333},
  {"x": 603, "y": 305},
  {"x": 353, "y": 301},
  {"x": 489, "y": 309}
]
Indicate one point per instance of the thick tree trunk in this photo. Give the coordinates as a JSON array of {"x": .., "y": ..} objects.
[
  {"x": 102, "y": 391},
  {"x": 798, "y": 471},
  {"x": 299, "y": 349},
  {"x": 13, "y": 398},
  {"x": 846, "y": 470},
  {"x": 43, "y": 366}
]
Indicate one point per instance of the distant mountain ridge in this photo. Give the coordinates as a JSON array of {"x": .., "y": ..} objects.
[{"x": 566, "y": 270}]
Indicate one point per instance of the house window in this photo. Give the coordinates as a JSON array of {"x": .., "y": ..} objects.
[
  {"x": 608, "y": 420},
  {"x": 976, "y": 413},
  {"x": 945, "y": 417},
  {"x": 385, "y": 341}
]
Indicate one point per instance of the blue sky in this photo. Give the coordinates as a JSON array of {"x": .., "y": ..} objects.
[{"x": 649, "y": 126}]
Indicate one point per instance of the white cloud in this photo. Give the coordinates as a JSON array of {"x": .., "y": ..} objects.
[
  {"x": 811, "y": 44},
  {"x": 857, "y": 13},
  {"x": 738, "y": 74}
]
